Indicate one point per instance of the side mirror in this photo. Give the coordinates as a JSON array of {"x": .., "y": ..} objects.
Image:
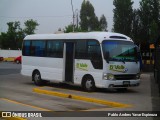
[
  {"x": 106, "y": 56},
  {"x": 138, "y": 54}
]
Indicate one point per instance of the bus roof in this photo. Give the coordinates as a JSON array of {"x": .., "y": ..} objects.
[{"x": 100, "y": 36}]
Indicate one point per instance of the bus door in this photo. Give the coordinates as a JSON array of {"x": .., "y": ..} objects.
[{"x": 69, "y": 61}]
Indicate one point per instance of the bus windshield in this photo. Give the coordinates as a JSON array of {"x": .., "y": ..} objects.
[{"x": 115, "y": 50}]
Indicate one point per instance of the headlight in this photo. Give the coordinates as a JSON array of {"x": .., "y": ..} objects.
[
  {"x": 108, "y": 76},
  {"x": 105, "y": 76}
]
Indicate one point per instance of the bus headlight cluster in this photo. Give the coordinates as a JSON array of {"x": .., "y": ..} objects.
[{"x": 108, "y": 76}]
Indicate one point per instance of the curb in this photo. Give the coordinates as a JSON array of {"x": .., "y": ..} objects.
[{"x": 82, "y": 98}]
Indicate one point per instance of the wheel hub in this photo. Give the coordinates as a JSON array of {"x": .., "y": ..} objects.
[
  {"x": 88, "y": 84},
  {"x": 36, "y": 78}
]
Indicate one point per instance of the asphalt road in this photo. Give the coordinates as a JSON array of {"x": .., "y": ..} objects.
[
  {"x": 16, "y": 94},
  {"x": 16, "y": 87}
]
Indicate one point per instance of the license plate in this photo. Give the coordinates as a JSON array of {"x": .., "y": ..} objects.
[{"x": 126, "y": 83}]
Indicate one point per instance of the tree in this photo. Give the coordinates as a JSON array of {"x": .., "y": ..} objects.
[
  {"x": 13, "y": 37},
  {"x": 153, "y": 31},
  {"x": 4, "y": 41},
  {"x": 103, "y": 23},
  {"x": 123, "y": 16},
  {"x": 145, "y": 19},
  {"x": 15, "y": 34},
  {"x": 149, "y": 16},
  {"x": 155, "y": 19},
  {"x": 30, "y": 26},
  {"x": 0, "y": 40},
  {"x": 69, "y": 28},
  {"x": 155, "y": 10},
  {"x": 89, "y": 21},
  {"x": 136, "y": 27}
]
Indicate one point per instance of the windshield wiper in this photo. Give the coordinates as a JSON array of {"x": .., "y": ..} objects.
[
  {"x": 123, "y": 60},
  {"x": 136, "y": 60},
  {"x": 115, "y": 59},
  {"x": 107, "y": 60}
]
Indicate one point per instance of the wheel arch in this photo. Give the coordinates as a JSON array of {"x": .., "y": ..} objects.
[{"x": 86, "y": 76}]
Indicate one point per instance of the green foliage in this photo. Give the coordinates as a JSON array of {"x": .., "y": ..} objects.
[
  {"x": 141, "y": 24},
  {"x": 89, "y": 21},
  {"x": 155, "y": 10},
  {"x": 0, "y": 41},
  {"x": 149, "y": 18},
  {"x": 30, "y": 26},
  {"x": 103, "y": 23},
  {"x": 123, "y": 16},
  {"x": 145, "y": 18},
  {"x": 14, "y": 36},
  {"x": 153, "y": 31},
  {"x": 4, "y": 40},
  {"x": 69, "y": 29},
  {"x": 136, "y": 27}
]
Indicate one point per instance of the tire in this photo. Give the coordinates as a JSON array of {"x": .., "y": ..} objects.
[
  {"x": 37, "y": 78},
  {"x": 17, "y": 62},
  {"x": 88, "y": 84}
]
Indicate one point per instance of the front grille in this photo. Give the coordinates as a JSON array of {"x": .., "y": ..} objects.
[{"x": 125, "y": 77}]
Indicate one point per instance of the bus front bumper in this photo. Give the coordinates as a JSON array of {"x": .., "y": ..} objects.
[{"x": 121, "y": 83}]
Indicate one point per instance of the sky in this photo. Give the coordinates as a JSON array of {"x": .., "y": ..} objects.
[{"x": 51, "y": 14}]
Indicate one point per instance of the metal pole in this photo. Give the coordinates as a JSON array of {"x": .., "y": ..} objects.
[
  {"x": 76, "y": 12},
  {"x": 73, "y": 14}
]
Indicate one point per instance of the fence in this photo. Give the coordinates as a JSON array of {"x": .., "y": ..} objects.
[
  {"x": 10, "y": 53},
  {"x": 157, "y": 66}
]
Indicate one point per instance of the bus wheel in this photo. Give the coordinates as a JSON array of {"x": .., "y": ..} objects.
[
  {"x": 88, "y": 84},
  {"x": 37, "y": 78},
  {"x": 17, "y": 62}
]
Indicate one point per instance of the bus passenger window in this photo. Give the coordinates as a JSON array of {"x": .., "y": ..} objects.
[
  {"x": 38, "y": 48},
  {"x": 26, "y": 48},
  {"x": 81, "y": 50},
  {"x": 55, "y": 49},
  {"x": 94, "y": 54}
]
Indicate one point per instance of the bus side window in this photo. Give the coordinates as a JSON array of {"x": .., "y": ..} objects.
[
  {"x": 81, "y": 50},
  {"x": 38, "y": 48},
  {"x": 55, "y": 49},
  {"x": 26, "y": 48},
  {"x": 94, "y": 54}
]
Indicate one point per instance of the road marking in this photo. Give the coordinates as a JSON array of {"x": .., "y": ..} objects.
[
  {"x": 13, "y": 101},
  {"x": 82, "y": 98}
]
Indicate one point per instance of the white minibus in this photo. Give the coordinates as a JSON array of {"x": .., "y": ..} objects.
[{"x": 91, "y": 60}]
